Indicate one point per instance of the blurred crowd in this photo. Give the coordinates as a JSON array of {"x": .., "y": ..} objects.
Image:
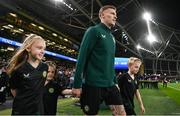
[{"x": 64, "y": 77}]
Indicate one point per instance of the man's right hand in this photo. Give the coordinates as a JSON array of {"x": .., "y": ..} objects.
[{"x": 76, "y": 92}]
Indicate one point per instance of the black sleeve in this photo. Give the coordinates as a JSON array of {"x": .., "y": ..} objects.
[
  {"x": 120, "y": 80},
  {"x": 60, "y": 88},
  {"x": 14, "y": 80}
]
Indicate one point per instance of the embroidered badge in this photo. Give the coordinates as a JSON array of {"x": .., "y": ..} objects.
[
  {"x": 86, "y": 108},
  {"x": 51, "y": 90},
  {"x": 44, "y": 74},
  {"x": 103, "y": 36},
  {"x": 129, "y": 80},
  {"x": 26, "y": 75}
]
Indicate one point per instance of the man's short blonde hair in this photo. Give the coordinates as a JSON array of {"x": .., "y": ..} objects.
[
  {"x": 106, "y": 7},
  {"x": 132, "y": 60}
]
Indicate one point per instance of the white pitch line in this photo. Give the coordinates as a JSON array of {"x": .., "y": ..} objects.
[{"x": 173, "y": 88}]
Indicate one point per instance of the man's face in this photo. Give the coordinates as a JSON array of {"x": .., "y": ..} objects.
[
  {"x": 109, "y": 16},
  {"x": 134, "y": 68}
]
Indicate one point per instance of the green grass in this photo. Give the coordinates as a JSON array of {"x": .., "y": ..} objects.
[
  {"x": 157, "y": 103},
  {"x": 67, "y": 107},
  {"x": 162, "y": 101},
  {"x": 5, "y": 112},
  {"x": 174, "y": 85},
  {"x": 173, "y": 91}
]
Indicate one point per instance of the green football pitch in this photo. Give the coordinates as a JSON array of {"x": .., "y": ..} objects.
[{"x": 162, "y": 101}]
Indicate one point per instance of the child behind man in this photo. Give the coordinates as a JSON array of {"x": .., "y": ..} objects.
[{"x": 52, "y": 90}]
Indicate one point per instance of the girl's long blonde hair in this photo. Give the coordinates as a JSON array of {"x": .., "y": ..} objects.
[{"x": 21, "y": 55}]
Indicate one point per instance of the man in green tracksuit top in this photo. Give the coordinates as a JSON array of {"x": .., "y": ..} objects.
[{"x": 96, "y": 66}]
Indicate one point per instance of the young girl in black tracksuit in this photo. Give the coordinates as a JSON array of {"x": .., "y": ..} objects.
[
  {"x": 52, "y": 90},
  {"x": 27, "y": 76}
]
